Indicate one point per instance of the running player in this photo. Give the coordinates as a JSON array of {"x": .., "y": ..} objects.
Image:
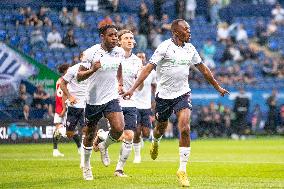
[
  {"x": 76, "y": 102},
  {"x": 60, "y": 110},
  {"x": 102, "y": 99},
  {"x": 172, "y": 60},
  {"x": 131, "y": 65},
  {"x": 143, "y": 105}
]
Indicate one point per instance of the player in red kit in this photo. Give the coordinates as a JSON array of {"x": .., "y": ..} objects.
[{"x": 60, "y": 110}]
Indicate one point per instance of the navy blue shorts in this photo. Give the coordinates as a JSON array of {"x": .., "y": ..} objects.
[
  {"x": 143, "y": 117},
  {"x": 73, "y": 117},
  {"x": 93, "y": 113},
  {"x": 165, "y": 107},
  {"x": 130, "y": 117}
]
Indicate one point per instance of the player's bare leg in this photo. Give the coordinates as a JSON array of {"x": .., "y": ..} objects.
[
  {"x": 184, "y": 145},
  {"x": 117, "y": 125},
  {"x": 75, "y": 136},
  {"x": 159, "y": 131}
]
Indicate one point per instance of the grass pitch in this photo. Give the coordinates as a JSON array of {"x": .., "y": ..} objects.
[{"x": 214, "y": 163}]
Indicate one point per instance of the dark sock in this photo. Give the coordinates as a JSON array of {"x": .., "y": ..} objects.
[
  {"x": 55, "y": 142},
  {"x": 76, "y": 138}
]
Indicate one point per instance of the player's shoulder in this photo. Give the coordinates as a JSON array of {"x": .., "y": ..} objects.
[
  {"x": 134, "y": 57},
  {"x": 118, "y": 50},
  {"x": 190, "y": 46},
  {"x": 92, "y": 48},
  {"x": 166, "y": 43},
  {"x": 164, "y": 46}
]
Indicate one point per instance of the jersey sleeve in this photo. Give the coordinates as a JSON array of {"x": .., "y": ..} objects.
[
  {"x": 154, "y": 77},
  {"x": 70, "y": 74},
  {"x": 158, "y": 55},
  {"x": 87, "y": 55},
  {"x": 196, "y": 59},
  {"x": 92, "y": 54}
]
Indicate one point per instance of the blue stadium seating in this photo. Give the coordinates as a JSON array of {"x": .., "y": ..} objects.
[
  {"x": 39, "y": 56},
  {"x": 2, "y": 35},
  {"x": 15, "y": 41}
]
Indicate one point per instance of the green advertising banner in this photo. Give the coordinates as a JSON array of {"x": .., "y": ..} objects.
[{"x": 44, "y": 76}]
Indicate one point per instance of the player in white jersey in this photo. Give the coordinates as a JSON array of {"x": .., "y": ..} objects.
[
  {"x": 104, "y": 75},
  {"x": 143, "y": 105},
  {"x": 131, "y": 65},
  {"x": 76, "y": 101},
  {"x": 172, "y": 60}
]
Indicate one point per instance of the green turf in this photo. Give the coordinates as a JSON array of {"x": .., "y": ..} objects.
[{"x": 216, "y": 163}]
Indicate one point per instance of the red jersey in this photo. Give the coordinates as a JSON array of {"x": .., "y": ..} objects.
[{"x": 58, "y": 97}]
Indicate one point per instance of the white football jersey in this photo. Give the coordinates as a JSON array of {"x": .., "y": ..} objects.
[
  {"x": 130, "y": 68},
  {"x": 75, "y": 88},
  {"x": 102, "y": 85},
  {"x": 143, "y": 98},
  {"x": 172, "y": 65}
]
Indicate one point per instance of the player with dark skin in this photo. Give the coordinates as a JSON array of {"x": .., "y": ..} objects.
[
  {"x": 108, "y": 42},
  {"x": 104, "y": 63},
  {"x": 180, "y": 37}
]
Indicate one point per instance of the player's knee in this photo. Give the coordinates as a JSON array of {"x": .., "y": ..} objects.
[
  {"x": 70, "y": 134},
  {"x": 128, "y": 135},
  {"x": 90, "y": 133},
  {"x": 116, "y": 134},
  {"x": 146, "y": 134}
]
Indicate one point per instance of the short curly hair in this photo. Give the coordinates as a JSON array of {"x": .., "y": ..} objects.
[
  {"x": 62, "y": 68},
  {"x": 103, "y": 29}
]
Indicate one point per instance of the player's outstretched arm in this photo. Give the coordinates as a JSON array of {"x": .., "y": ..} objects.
[
  {"x": 209, "y": 77},
  {"x": 143, "y": 75},
  {"x": 119, "y": 75},
  {"x": 85, "y": 73}
]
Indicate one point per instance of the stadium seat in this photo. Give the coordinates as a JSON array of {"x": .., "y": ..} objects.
[
  {"x": 2, "y": 35},
  {"x": 39, "y": 57},
  {"x": 51, "y": 63},
  {"x": 14, "y": 41},
  {"x": 26, "y": 48}
]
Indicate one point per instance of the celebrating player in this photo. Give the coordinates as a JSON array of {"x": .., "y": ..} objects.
[
  {"x": 172, "y": 60},
  {"x": 76, "y": 101},
  {"x": 131, "y": 65},
  {"x": 102, "y": 99}
]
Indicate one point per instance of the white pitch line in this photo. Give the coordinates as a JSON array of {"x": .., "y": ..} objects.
[{"x": 148, "y": 160}]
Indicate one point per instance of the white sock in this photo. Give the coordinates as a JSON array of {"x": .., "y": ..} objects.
[
  {"x": 184, "y": 153},
  {"x": 86, "y": 156},
  {"x": 137, "y": 149},
  {"x": 109, "y": 141},
  {"x": 125, "y": 151}
]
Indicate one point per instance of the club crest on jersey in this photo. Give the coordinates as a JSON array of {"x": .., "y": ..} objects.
[{"x": 116, "y": 54}]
